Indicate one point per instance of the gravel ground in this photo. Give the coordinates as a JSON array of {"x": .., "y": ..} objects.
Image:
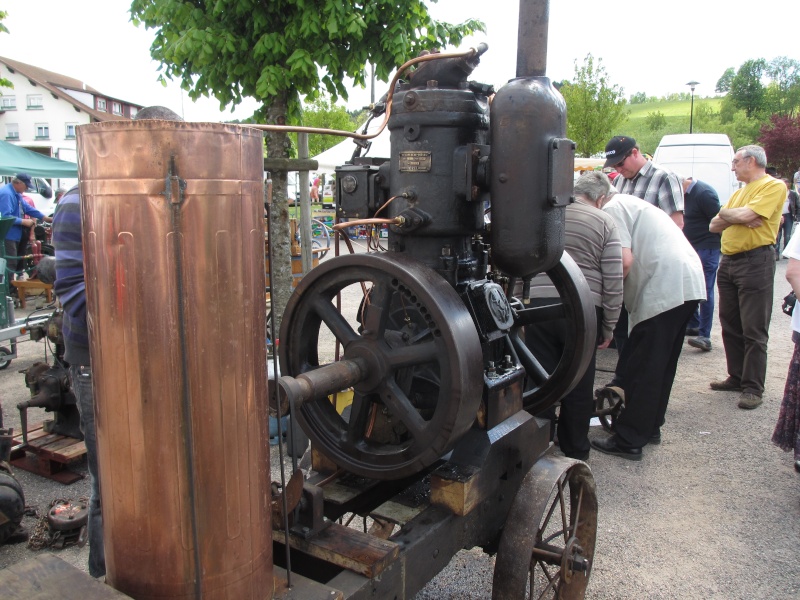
[{"x": 713, "y": 512}]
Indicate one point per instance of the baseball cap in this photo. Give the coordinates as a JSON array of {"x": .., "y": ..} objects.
[
  {"x": 617, "y": 148},
  {"x": 24, "y": 178}
]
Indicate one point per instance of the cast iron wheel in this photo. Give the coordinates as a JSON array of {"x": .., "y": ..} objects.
[
  {"x": 577, "y": 308},
  {"x": 4, "y": 361},
  {"x": 424, "y": 362},
  {"x": 607, "y": 407},
  {"x": 547, "y": 545}
]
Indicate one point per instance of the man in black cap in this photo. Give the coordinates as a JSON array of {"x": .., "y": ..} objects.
[
  {"x": 12, "y": 204},
  {"x": 643, "y": 178}
]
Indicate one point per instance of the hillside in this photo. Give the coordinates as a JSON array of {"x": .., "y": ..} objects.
[{"x": 676, "y": 120}]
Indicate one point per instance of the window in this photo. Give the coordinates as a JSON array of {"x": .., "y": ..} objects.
[
  {"x": 116, "y": 108},
  {"x": 101, "y": 104},
  {"x": 9, "y": 103},
  {"x": 42, "y": 131},
  {"x": 134, "y": 111},
  {"x": 12, "y": 131},
  {"x": 70, "y": 131},
  {"x": 35, "y": 102}
]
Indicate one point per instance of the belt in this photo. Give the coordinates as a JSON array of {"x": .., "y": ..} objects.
[{"x": 747, "y": 253}]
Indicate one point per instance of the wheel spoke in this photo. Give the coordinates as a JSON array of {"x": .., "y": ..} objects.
[
  {"x": 400, "y": 406},
  {"x": 335, "y": 321},
  {"x": 563, "y": 504},
  {"x": 376, "y": 310},
  {"x": 360, "y": 413},
  {"x": 410, "y": 356}
]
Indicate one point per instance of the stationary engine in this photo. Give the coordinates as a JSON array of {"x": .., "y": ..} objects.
[{"x": 475, "y": 194}]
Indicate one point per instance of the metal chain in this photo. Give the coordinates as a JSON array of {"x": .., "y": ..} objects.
[{"x": 42, "y": 537}]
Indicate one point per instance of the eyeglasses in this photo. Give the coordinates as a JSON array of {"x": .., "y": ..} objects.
[
  {"x": 624, "y": 158},
  {"x": 736, "y": 161}
]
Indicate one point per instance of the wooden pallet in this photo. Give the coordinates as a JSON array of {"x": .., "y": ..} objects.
[{"x": 48, "y": 454}]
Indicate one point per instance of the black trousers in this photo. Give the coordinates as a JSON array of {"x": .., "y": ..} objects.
[
  {"x": 649, "y": 361},
  {"x": 547, "y": 340}
]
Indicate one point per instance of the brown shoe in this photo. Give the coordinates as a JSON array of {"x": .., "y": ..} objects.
[
  {"x": 727, "y": 385},
  {"x": 749, "y": 401}
]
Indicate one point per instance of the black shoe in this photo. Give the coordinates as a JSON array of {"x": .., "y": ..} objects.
[
  {"x": 797, "y": 466},
  {"x": 608, "y": 445},
  {"x": 655, "y": 438},
  {"x": 584, "y": 456},
  {"x": 691, "y": 332}
]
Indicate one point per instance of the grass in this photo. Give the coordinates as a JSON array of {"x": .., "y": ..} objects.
[{"x": 676, "y": 116}]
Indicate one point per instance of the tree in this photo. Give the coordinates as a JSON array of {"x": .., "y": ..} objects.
[
  {"x": 322, "y": 113},
  {"x": 656, "y": 120},
  {"x": 780, "y": 139},
  {"x": 595, "y": 107},
  {"x": 783, "y": 92},
  {"x": 277, "y": 52},
  {"x": 3, "y": 29},
  {"x": 724, "y": 82},
  {"x": 747, "y": 91},
  {"x": 638, "y": 98}
]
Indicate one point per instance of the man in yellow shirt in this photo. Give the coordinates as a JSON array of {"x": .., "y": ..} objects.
[{"x": 749, "y": 225}]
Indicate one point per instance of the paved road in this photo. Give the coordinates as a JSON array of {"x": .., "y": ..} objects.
[{"x": 713, "y": 512}]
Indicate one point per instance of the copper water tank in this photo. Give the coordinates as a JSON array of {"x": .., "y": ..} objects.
[{"x": 173, "y": 231}]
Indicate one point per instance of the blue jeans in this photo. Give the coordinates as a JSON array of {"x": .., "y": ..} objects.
[
  {"x": 81, "y": 382},
  {"x": 703, "y": 318}
]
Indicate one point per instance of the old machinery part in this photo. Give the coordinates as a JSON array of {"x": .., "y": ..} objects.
[
  {"x": 608, "y": 404},
  {"x": 577, "y": 309},
  {"x": 68, "y": 521},
  {"x": 531, "y": 176},
  {"x": 412, "y": 349},
  {"x": 4, "y": 361},
  {"x": 12, "y": 503},
  {"x": 50, "y": 389},
  {"x": 547, "y": 544}
]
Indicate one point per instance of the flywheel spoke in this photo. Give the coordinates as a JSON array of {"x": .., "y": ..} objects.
[
  {"x": 410, "y": 356},
  {"x": 335, "y": 321}
]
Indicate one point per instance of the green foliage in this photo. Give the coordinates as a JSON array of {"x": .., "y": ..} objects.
[
  {"x": 3, "y": 29},
  {"x": 656, "y": 120},
  {"x": 595, "y": 107},
  {"x": 747, "y": 91},
  {"x": 707, "y": 119},
  {"x": 322, "y": 113},
  {"x": 724, "y": 83},
  {"x": 783, "y": 92},
  {"x": 231, "y": 49},
  {"x": 638, "y": 98}
]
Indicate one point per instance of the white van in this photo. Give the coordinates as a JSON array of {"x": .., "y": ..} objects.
[{"x": 702, "y": 156}]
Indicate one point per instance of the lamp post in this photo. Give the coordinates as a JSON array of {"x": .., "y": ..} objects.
[{"x": 691, "y": 85}]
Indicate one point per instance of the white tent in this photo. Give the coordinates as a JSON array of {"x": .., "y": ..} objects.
[{"x": 343, "y": 151}]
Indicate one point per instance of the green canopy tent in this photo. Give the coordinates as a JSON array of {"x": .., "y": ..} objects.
[{"x": 14, "y": 159}]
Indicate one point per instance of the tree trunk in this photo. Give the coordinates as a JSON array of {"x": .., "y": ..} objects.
[{"x": 278, "y": 144}]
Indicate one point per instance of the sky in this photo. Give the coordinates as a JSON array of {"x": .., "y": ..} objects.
[{"x": 654, "y": 48}]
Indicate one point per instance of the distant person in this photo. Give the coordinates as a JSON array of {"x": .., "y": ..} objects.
[
  {"x": 772, "y": 172},
  {"x": 59, "y": 193},
  {"x": 701, "y": 204},
  {"x": 787, "y": 430},
  {"x": 749, "y": 224},
  {"x": 591, "y": 239},
  {"x": 796, "y": 181},
  {"x": 662, "y": 287},
  {"x": 25, "y": 215},
  {"x": 789, "y": 214}
]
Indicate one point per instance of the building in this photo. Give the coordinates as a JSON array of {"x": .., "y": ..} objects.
[{"x": 43, "y": 109}]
